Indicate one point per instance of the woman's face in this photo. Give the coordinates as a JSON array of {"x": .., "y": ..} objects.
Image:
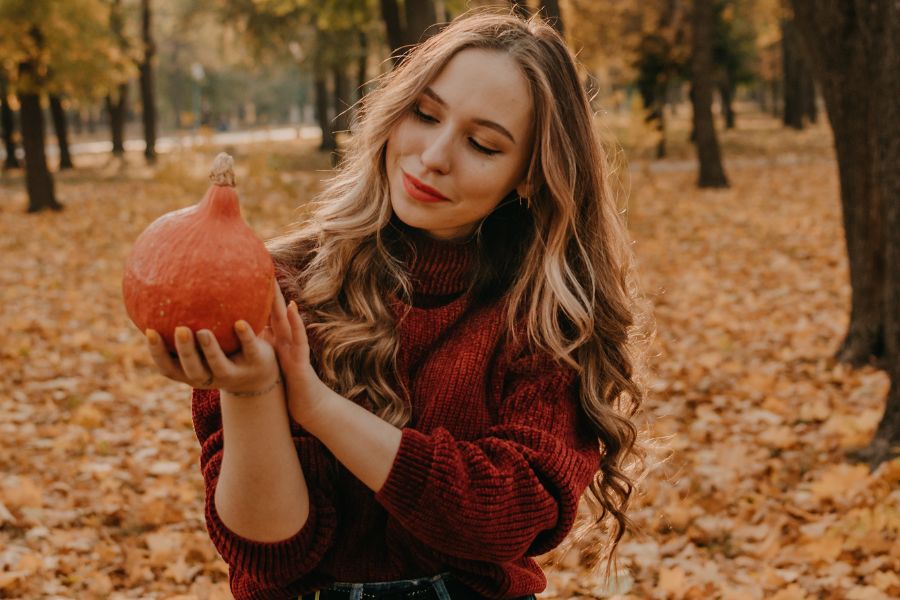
[{"x": 465, "y": 144}]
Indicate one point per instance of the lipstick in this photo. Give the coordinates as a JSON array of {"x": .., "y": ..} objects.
[{"x": 419, "y": 191}]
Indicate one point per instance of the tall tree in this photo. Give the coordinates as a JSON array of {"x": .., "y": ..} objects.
[
  {"x": 38, "y": 180},
  {"x": 797, "y": 79},
  {"x": 7, "y": 123},
  {"x": 855, "y": 50},
  {"x": 61, "y": 127},
  {"x": 712, "y": 174},
  {"x": 148, "y": 93},
  {"x": 117, "y": 100}
]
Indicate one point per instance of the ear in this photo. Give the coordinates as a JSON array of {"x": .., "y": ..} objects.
[{"x": 522, "y": 189}]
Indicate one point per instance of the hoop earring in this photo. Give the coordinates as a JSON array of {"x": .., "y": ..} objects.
[{"x": 526, "y": 201}]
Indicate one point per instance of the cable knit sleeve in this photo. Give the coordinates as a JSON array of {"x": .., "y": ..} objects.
[
  {"x": 513, "y": 492},
  {"x": 275, "y": 563}
]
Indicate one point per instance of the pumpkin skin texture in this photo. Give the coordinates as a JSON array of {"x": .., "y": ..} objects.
[{"x": 201, "y": 267}]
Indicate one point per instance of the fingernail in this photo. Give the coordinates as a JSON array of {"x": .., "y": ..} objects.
[
  {"x": 204, "y": 336},
  {"x": 241, "y": 327},
  {"x": 293, "y": 306},
  {"x": 183, "y": 334},
  {"x": 152, "y": 337}
]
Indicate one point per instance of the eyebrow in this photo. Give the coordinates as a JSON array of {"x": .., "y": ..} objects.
[{"x": 483, "y": 122}]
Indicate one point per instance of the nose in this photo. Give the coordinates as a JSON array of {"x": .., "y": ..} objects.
[{"x": 436, "y": 153}]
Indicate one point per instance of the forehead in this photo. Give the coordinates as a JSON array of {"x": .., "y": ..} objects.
[{"x": 486, "y": 84}]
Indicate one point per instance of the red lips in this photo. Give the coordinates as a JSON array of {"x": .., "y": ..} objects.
[{"x": 418, "y": 190}]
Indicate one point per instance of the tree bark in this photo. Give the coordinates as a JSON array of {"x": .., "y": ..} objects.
[
  {"x": 116, "y": 103},
  {"x": 38, "y": 180},
  {"x": 711, "y": 172},
  {"x": 726, "y": 95},
  {"x": 854, "y": 49},
  {"x": 810, "y": 110},
  {"x": 794, "y": 76},
  {"x": 321, "y": 88},
  {"x": 148, "y": 97},
  {"x": 115, "y": 107},
  {"x": 8, "y": 124},
  {"x": 835, "y": 43},
  {"x": 60, "y": 126}
]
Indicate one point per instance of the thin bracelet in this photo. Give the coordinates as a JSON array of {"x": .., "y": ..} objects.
[{"x": 257, "y": 392}]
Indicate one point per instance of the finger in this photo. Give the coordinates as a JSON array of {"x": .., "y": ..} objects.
[
  {"x": 298, "y": 328},
  {"x": 218, "y": 363},
  {"x": 189, "y": 357},
  {"x": 249, "y": 344},
  {"x": 164, "y": 362},
  {"x": 278, "y": 318}
]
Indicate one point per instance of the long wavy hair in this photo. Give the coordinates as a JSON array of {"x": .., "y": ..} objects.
[{"x": 561, "y": 259}]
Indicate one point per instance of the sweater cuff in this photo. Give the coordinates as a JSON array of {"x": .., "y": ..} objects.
[
  {"x": 408, "y": 475},
  {"x": 276, "y": 563}
]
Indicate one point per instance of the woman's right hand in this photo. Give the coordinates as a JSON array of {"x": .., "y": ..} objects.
[{"x": 253, "y": 369}]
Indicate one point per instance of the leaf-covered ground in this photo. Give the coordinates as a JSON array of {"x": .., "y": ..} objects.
[{"x": 748, "y": 495}]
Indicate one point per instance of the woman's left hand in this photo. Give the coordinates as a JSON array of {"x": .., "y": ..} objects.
[{"x": 302, "y": 383}]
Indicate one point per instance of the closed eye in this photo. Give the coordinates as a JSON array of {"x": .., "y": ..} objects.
[
  {"x": 426, "y": 118},
  {"x": 423, "y": 116}
]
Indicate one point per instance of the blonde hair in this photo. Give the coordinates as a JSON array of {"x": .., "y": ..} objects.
[{"x": 567, "y": 279}]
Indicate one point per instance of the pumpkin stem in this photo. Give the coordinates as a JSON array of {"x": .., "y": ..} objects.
[{"x": 222, "y": 172}]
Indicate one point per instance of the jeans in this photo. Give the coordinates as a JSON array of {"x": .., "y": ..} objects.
[{"x": 366, "y": 591}]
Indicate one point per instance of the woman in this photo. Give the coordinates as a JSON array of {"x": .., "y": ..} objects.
[{"x": 464, "y": 287}]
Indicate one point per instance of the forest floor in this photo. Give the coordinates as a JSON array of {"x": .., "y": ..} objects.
[{"x": 747, "y": 494}]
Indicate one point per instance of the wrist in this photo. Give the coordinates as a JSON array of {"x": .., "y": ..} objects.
[
  {"x": 306, "y": 407},
  {"x": 251, "y": 393}
]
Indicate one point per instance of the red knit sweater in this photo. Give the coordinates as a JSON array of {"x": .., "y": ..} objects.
[{"x": 489, "y": 471}]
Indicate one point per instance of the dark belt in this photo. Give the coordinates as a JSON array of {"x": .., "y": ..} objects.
[{"x": 424, "y": 591}]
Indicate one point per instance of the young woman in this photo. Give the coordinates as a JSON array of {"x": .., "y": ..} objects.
[{"x": 461, "y": 373}]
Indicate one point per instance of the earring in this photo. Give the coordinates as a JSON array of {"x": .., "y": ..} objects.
[{"x": 526, "y": 201}]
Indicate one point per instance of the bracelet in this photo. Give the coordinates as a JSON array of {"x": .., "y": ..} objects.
[{"x": 257, "y": 392}]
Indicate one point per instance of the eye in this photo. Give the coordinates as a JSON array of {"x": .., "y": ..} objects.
[
  {"x": 423, "y": 116},
  {"x": 482, "y": 149}
]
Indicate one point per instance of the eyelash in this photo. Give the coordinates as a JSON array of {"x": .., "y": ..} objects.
[{"x": 426, "y": 118}]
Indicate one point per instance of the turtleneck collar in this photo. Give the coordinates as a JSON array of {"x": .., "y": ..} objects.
[{"x": 438, "y": 267}]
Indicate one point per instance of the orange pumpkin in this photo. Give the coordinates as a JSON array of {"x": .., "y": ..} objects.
[{"x": 201, "y": 267}]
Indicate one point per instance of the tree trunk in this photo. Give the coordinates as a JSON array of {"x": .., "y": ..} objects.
[
  {"x": 116, "y": 103},
  {"x": 148, "y": 97},
  {"x": 342, "y": 100},
  {"x": 61, "y": 128},
  {"x": 38, "y": 180},
  {"x": 550, "y": 11},
  {"x": 885, "y": 28},
  {"x": 115, "y": 107},
  {"x": 854, "y": 49},
  {"x": 726, "y": 94},
  {"x": 794, "y": 77},
  {"x": 7, "y": 122},
  {"x": 810, "y": 110},
  {"x": 711, "y": 172},
  {"x": 362, "y": 76},
  {"x": 321, "y": 87},
  {"x": 390, "y": 13},
  {"x": 419, "y": 16}
]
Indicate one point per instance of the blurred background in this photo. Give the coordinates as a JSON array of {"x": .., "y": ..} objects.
[{"x": 754, "y": 155}]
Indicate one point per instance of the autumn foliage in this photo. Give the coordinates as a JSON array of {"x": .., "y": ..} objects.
[{"x": 748, "y": 493}]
